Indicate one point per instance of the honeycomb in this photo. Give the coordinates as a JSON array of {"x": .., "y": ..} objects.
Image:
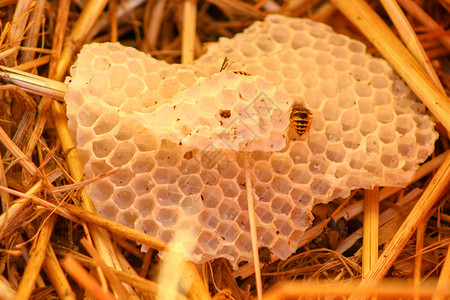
[{"x": 188, "y": 175}]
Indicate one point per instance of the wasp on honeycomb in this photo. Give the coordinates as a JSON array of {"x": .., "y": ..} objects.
[
  {"x": 301, "y": 119},
  {"x": 226, "y": 64}
]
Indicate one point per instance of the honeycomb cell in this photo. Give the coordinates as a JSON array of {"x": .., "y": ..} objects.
[
  {"x": 321, "y": 45},
  {"x": 372, "y": 144},
  {"x": 299, "y": 153},
  {"x": 301, "y": 40},
  {"x": 126, "y": 131},
  {"x": 300, "y": 174},
  {"x": 302, "y": 196},
  {"x": 346, "y": 99},
  {"x": 122, "y": 177},
  {"x": 152, "y": 80},
  {"x": 168, "y": 217},
  {"x": 168, "y": 87},
  {"x": 207, "y": 240},
  {"x": 317, "y": 143},
  {"x": 212, "y": 196},
  {"x": 376, "y": 66},
  {"x": 133, "y": 88},
  {"x": 333, "y": 132},
  {"x": 135, "y": 67},
  {"x": 385, "y": 114},
  {"x": 359, "y": 59},
  {"x": 314, "y": 98},
  {"x": 380, "y": 82},
  {"x": 318, "y": 165},
  {"x": 227, "y": 169},
  {"x": 374, "y": 167},
  {"x": 118, "y": 76},
  {"x": 209, "y": 218},
  {"x": 281, "y": 164},
  {"x": 350, "y": 119},
  {"x": 228, "y": 230},
  {"x": 123, "y": 197},
  {"x": 264, "y": 212},
  {"x": 142, "y": 183},
  {"x": 142, "y": 163},
  {"x": 127, "y": 217},
  {"x": 145, "y": 204},
  {"x": 105, "y": 123},
  {"x": 149, "y": 226},
  {"x": 283, "y": 225},
  {"x": 228, "y": 252},
  {"x": 387, "y": 134},
  {"x": 309, "y": 80},
  {"x": 282, "y": 205},
  {"x": 243, "y": 243},
  {"x": 169, "y": 155},
  {"x": 407, "y": 146},
  {"x": 229, "y": 188},
  {"x": 358, "y": 160},
  {"x": 362, "y": 89},
  {"x": 324, "y": 59},
  {"x": 103, "y": 146},
  {"x": 424, "y": 137},
  {"x": 390, "y": 160},
  {"x": 229, "y": 209},
  {"x": 108, "y": 210},
  {"x": 88, "y": 114},
  {"x": 162, "y": 175},
  {"x": 264, "y": 192},
  {"x": 100, "y": 167},
  {"x": 320, "y": 186},
  {"x": 265, "y": 236},
  {"x": 209, "y": 177},
  {"x": 281, "y": 185},
  {"x": 331, "y": 111},
  {"x": 403, "y": 124},
  {"x": 368, "y": 124},
  {"x": 329, "y": 88},
  {"x": 335, "y": 153},
  {"x": 165, "y": 235},
  {"x": 123, "y": 153},
  {"x": 190, "y": 166},
  {"x": 167, "y": 195},
  {"x": 366, "y": 106},
  {"x": 190, "y": 184},
  {"x": 352, "y": 139},
  {"x": 145, "y": 141}
]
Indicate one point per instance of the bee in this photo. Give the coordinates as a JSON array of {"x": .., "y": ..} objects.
[
  {"x": 301, "y": 119},
  {"x": 227, "y": 64}
]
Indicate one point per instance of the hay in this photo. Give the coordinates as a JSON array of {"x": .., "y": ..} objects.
[{"x": 48, "y": 226}]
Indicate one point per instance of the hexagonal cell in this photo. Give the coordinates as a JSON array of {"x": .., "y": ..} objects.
[
  {"x": 152, "y": 80},
  {"x": 165, "y": 235},
  {"x": 362, "y": 89},
  {"x": 387, "y": 133},
  {"x": 208, "y": 241},
  {"x": 169, "y": 87},
  {"x": 229, "y": 252},
  {"x": 134, "y": 86},
  {"x": 352, "y": 139},
  {"x": 309, "y": 80},
  {"x": 333, "y": 132},
  {"x": 243, "y": 222},
  {"x": 341, "y": 171},
  {"x": 374, "y": 167},
  {"x": 350, "y": 119},
  {"x": 167, "y": 195},
  {"x": 301, "y": 195},
  {"x": 264, "y": 212},
  {"x": 167, "y": 216},
  {"x": 165, "y": 175},
  {"x": 281, "y": 185},
  {"x": 247, "y": 90},
  {"x": 142, "y": 184},
  {"x": 359, "y": 59},
  {"x": 190, "y": 184},
  {"x": 118, "y": 76},
  {"x": 282, "y": 205},
  {"x": 228, "y": 230},
  {"x": 209, "y": 177},
  {"x": 317, "y": 143},
  {"x": 390, "y": 160},
  {"x": 358, "y": 182},
  {"x": 301, "y": 40},
  {"x": 265, "y": 235},
  {"x": 127, "y": 217},
  {"x": 281, "y": 163},
  {"x": 100, "y": 190},
  {"x": 212, "y": 196},
  {"x": 358, "y": 160},
  {"x": 227, "y": 168},
  {"x": 229, "y": 209},
  {"x": 148, "y": 226},
  {"x": 262, "y": 171},
  {"x": 407, "y": 146},
  {"x": 169, "y": 154},
  {"x": 209, "y": 218},
  {"x": 190, "y": 166},
  {"x": 126, "y": 130},
  {"x": 368, "y": 124},
  {"x": 300, "y": 174},
  {"x": 122, "y": 154},
  {"x": 301, "y": 218},
  {"x": 264, "y": 192},
  {"x": 292, "y": 86},
  {"x": 142, "y": 162},
  {"x": 99, "y": 167},
  {"x": 284, "y": 226},
  {"x": 424, "y": 137},
  {"x": 248, "y": 49},
  {"x": 107, "y": 210},
  {"x": 145, "y": 141},
  {"x": 145, "y": 204},
  {"x": 347, "y": 99},
  {"x": 104, "y": 146},
  {"x": 244, "y": 242},
  {"x": 366, "y": 106},
  {"x": 335, "y": 152},
  {"x": 385, "y": 114},
  {"x": 314, "y": 98},
  {"x": 123, "y": 197},
  {"x": 403, "y": 124},
  {"x": 320, "y": 186},
  {"x": 191, "y": 205},
  {"x": 229, "y": 188},
  {"x": 105, "y": 123},
  {"x": 372, "y": 144},
  {"x": 260, "y": 155},
  {"x": 319, "y": 165},
  {"x": 209, "y": 159}
]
